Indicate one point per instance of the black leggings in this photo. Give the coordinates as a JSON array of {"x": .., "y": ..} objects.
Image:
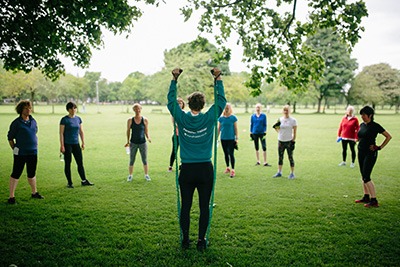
[
  {"x": 229, "y": 148},
  {"x": 352, "y": 148},
  {"x": 367, "y": 160},
  {"x": 192, "y": 176},
  {"x": 74, "y": 149},
  {"x": 172, "y": 157},
  {"x": 260, "y": 137}
]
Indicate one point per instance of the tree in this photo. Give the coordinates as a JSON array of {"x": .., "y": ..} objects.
[
  {"x": 365, "y": 89},
  {"x": 132, "y": 87},
  {"x": 196, "y": 60},
  {"x": 273, "y": 43},
  {"x": 377, "y": 84},
  {"x": 35, "y": 33},
  {"x": 339, "y": 66}
]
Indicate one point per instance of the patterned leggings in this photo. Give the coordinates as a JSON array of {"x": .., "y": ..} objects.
[{"x": 281, "y": 150}]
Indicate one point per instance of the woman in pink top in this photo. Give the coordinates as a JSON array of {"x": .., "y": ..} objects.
[{"x": 347, "y": 133}]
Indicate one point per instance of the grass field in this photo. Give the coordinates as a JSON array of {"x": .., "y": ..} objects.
[{"x": 257, "y": 221}]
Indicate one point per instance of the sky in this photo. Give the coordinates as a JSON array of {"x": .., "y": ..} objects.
[{"x": 163, "y": 28}]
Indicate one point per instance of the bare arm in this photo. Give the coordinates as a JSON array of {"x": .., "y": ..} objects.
[
  {"x": 294, "y": 133},
  {"x": 146, "y": 129},
  {"x": 12, "y": 144},
  {"x": 387, "y": 139},
  {"x": 82, "y": 135},
  {"x": 128, "y": 131},
  {"x": 62, "y": 129},
  {"x": 236, "y": 131}
]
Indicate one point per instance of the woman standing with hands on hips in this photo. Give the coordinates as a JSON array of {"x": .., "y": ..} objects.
[{"x": 368, "y": 153}]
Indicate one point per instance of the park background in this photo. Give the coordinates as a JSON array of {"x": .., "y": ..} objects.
[{"x": 258, "y": 220}]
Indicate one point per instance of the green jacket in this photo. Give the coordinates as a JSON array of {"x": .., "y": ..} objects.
[{"x": 196, "y": 132}]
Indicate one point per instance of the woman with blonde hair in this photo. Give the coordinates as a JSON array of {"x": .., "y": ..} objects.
[
  {"x": 227, "y": 129},
  {"x": 347, "y": 133},
  {"x": 287, "y": 130}
]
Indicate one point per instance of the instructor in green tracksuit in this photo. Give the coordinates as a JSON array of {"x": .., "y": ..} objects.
[{"x": 196, "y": 131}]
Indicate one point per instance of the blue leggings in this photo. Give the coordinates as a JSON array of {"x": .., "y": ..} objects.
[{"x": 192, "y": 176}]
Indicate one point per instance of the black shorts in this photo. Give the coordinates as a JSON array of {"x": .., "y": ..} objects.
[{"x": 19, "y": 163}]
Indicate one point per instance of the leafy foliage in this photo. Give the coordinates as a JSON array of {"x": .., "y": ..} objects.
[
  {"x": 339, "y": 66},
  {"x": 33, "y": 34},
  {"x": 381, "y": 81},
  {"x": 273, "y": 41}
]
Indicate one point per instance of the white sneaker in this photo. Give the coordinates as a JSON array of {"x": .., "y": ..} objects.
[
  {"x": 147, "y": 177},
  {"x": 352, "y": 165},
  {"x": 129, "y": 178},
  {"x": 342, "y": 163}
]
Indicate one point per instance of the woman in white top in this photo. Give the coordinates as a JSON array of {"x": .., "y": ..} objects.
[{"x": 286, "y": 128}]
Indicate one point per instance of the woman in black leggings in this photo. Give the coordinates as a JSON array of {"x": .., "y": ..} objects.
[
  {"x": 368, "y": 153},
  {"x": 172, "y": 157}
]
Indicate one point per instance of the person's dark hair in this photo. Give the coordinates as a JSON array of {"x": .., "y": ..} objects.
[
  {"x": 196, "y": 101},
  {"x": 21, "y": 105},
  {"x": 367, "y": 110},
  {"x": 70, "y": 105}
]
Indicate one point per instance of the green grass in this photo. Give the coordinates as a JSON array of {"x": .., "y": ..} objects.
[{"x": 257, "y": 221}]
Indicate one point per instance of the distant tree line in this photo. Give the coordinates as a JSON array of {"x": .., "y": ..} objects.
[{"x": 377, "y": 84}]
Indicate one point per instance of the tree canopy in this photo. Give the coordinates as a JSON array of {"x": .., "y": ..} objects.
[
  {"x": 35, "y": 33},
  {"x": 273, "y": 41}
]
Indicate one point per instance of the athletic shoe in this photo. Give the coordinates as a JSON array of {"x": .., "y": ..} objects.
[
  {"x": 129, "y": 178},
  {"x": 232, "y": 173},
  {"x": 227, "y": 170},
  {"x": 201, "y": 245},
  {"x": 258, "y": 163},
  {"x": 147, "y": 177},
  {"x": 372, "y": 204},
  {"x": 86, "y": 183},
  {"x": 267, "y": 165},
  {"x": 342, "y": 163},
  {"x": 37, "y": 195},
  {"x": 291, "y": 176},
  {"x": 11, "y": 200},
  {"x": 70, "y": 186},
  {"x": 363, "y": 200},
  {"x": 278, "y": 174},
  {"x": 352, "y": 165}
]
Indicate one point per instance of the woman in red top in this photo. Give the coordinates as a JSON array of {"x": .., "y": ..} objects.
[{"x": 348, "y": 130}]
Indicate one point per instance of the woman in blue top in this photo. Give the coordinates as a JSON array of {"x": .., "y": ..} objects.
[
  {"x": 227, "y": 128},
  {"x": 368, "y": 153},
  {"x": 23, "y": 141},
  {"x": 258, "y": 131},
  {"x": 196, "y": 138},
  {"x": 70, "y": 131}
]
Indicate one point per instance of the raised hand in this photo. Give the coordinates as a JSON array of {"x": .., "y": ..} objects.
[{"x": 176, "y": 72}]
